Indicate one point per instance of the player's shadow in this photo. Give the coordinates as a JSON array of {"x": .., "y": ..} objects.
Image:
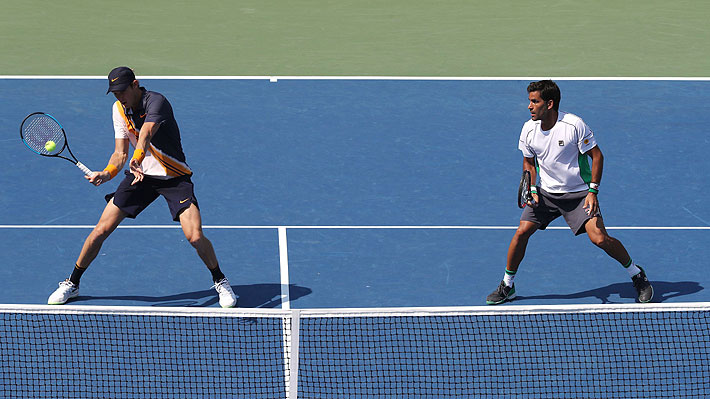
[
  {"x": 662, "y": 291},
  {"x": 250, "y": 296}
]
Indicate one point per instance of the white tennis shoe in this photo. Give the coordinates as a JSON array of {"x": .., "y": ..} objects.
[
  {"x": 66, "y": 291},
  {"x": 227, "y": 297}
]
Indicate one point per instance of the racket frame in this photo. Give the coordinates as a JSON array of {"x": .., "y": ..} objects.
[
  {"x": 73, "y": 159},
  {"x": 524, "y": 194}
]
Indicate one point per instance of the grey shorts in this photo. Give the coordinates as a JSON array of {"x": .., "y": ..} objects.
[{"x": 552, "y": 206}]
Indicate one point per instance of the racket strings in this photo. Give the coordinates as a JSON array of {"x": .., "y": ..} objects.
[{"x": 39, "y": 130}]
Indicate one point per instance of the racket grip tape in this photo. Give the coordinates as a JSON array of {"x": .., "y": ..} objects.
[{"x": 83, "y": 168}]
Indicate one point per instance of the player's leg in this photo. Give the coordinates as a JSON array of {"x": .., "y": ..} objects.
[
  {"x": 532, "y": 219},
  {"x": 598, "y": 235},
  {"x": 111, "y": 217},
  {"x": 518, "y": 245},
  {"x": 191, "y": 222},
  {"x": 129, "y": 200},
  {"x": 516, "y": 252}
]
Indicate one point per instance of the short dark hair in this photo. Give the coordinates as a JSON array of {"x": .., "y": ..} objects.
[{"x": 548, "y": 91}]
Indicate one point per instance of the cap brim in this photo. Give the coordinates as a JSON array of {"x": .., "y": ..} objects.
[{"x": 118, "y": 87}]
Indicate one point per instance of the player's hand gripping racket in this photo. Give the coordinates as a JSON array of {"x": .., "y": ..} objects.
[
  {"x": 524, "y": 194},
  {"x": 43, "y": 134}
]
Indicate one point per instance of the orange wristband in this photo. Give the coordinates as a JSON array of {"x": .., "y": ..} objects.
[
  {"x": 139, "y": 155},
  {"x": 112, "y": 170}
]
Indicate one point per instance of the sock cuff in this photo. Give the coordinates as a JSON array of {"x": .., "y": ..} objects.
[
  {"x": 629, "y": 263},
  {"x": 510, "y": 273},
  {"x": 217, "y": 274}
]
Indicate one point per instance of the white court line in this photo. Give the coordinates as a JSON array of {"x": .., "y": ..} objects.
[
  {"x": 236, "y": 227},
  {"x": 420, "y": 78},
  {"x": 283, "y": 264}
]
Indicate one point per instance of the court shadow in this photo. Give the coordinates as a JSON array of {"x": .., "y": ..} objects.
[
  {"x": 662, "y": 291},
  {"x": 250, "y": 296}
]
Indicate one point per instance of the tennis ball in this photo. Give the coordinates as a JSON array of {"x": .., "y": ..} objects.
[{"x": 50, "y": 146}]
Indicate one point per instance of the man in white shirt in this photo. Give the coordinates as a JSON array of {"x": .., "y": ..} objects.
[{"x": 558, "y": 145}]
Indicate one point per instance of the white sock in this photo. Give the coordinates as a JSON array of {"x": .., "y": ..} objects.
[
  {"x": 508, "y": 278},
  {"x": 632, "y": 269}
]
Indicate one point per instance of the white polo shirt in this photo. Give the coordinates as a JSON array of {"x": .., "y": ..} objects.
[{"x": 560, "y": 152}]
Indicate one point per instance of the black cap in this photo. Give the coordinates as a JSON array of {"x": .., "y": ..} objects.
[{"x": 119, "y": 79}]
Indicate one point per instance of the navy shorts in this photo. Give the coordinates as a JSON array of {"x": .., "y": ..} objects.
[
  {"x": 177, "y": 191},
  {"x": 552, "y": 206}
]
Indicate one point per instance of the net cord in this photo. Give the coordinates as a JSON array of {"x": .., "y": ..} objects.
[{"x": 360, "y": 312}]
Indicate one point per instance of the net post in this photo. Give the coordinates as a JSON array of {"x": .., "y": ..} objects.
[
  {"x": 292, "y": 388},
  {"x": 290, "y": 333}
]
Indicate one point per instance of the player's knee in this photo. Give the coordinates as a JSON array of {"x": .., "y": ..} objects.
[
  {"x": 601, "y": 240},
  {"x": 100, "y": 232},
  {"x": 523, "y": 232},
  {"x": 195, "y": 238}
]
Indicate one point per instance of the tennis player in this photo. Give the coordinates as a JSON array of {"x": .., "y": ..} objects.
[
  {"x": 558, "y": 145},
  {"x": 144, "y": 119}
]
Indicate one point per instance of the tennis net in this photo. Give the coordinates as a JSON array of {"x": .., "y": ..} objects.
[{"x": 580, "y": 351}]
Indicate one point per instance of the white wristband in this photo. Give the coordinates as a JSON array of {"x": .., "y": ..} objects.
[{"x": 594, "y": 186}]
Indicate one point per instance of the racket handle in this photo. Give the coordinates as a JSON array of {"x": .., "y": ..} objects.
[{"x": 83, "y": 168}]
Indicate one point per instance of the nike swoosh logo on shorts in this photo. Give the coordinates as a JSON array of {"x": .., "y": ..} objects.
[{"x": 185, "y": 200}]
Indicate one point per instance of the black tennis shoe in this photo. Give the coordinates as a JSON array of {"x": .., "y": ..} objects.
[
  {"x": 643, "y": 287},
  {"x": 501, "y": 294}
]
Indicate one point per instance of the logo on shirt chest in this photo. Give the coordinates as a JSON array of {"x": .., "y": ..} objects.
[
  {"x": 561, "y": 143},
  {"x": 137, "y": 120}
]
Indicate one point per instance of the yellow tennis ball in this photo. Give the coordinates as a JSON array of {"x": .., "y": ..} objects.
[{"x": 50, "y": 146}]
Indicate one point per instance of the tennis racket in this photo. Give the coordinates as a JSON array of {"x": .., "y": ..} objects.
[
  {"x": 38, "y": 129},
  {"x": 524, "y": 195}
]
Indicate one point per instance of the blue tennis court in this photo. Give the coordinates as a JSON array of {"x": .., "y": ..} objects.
[{"x": 426, "y": 170}]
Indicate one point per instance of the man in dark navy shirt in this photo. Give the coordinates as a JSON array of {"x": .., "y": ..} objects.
[{"x": 144, "y": 119}]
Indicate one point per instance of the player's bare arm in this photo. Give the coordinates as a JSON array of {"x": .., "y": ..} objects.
[
  {"x": 592, "y": 202},
  {"x": 144, "y": 137},
  {"x": 117, "y": 160}
]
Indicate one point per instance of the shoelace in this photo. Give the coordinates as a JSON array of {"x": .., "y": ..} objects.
[
  {"x": 640, "y": 279},
  {"x": 221, "y": 287},
  {"x": 501, "y": 288}
]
